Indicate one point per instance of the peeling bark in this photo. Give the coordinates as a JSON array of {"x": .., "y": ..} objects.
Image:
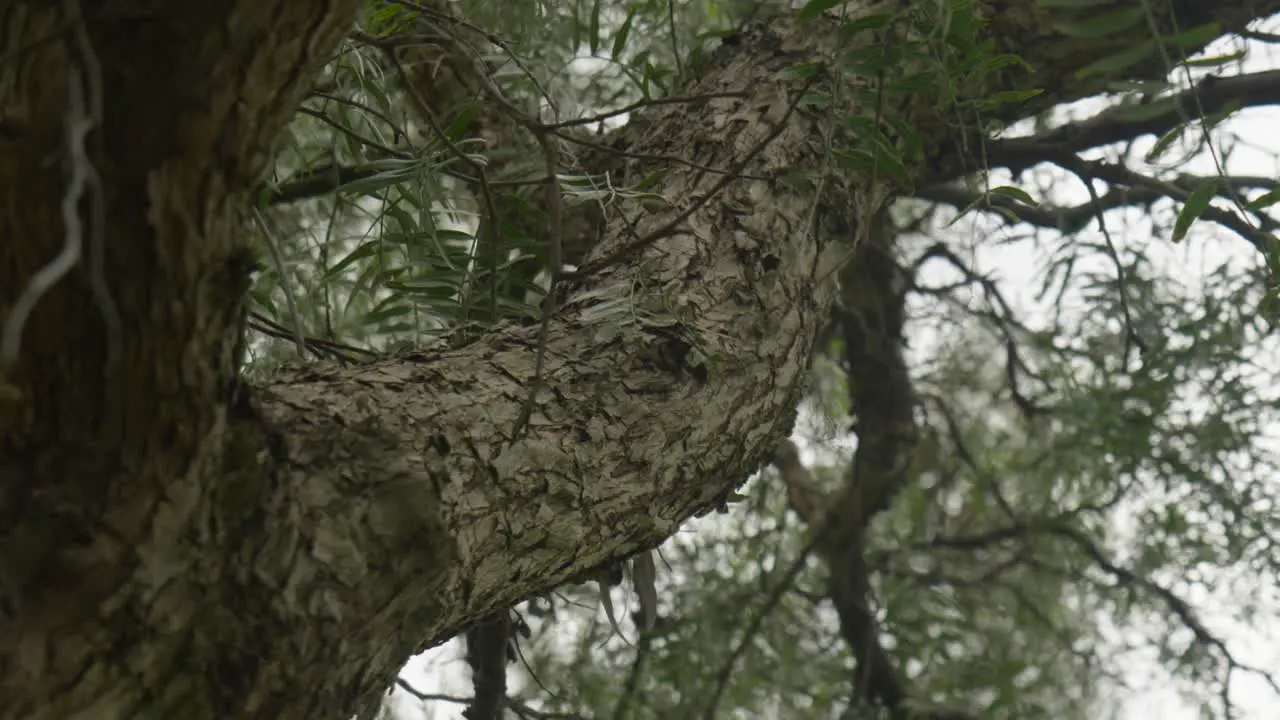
[{"x": 172, "y": 547}]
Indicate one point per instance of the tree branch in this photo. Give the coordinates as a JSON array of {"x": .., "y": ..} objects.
[
  {"x": 1140, "y": 191},
  {"x": 1127, "y": 122}
]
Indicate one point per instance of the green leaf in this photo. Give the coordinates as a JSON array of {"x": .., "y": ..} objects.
[
  {"x": 363, "y": 251},
  {"x": 1016, "y": 193},
  {"x": 1001, "y": 61},
  {"x": 977, "y": 203},
  {"x": 1197, "y": 203},
  {"x": 437, "y": 286},
  {"x": 593, "y": 30},
  {"x": 1104, "y": 25},
  {"x": 815, "y": 8},
  {"x": 1008, "y": 97},
  {"x": 263, "y": 300},
  {"x": 1163, "y": 145},
  {"x": 1198, "y": 36},
  {"x": 852, "y": 28},
  {"x": 882, "y": 161},
  {"x": 1008, "y": 214},
  {"x": 404, "y": 222},
  {"x": 1216, "y": 61},
  {"x": 1119, "y": 61},
  {"x": 1213, "y": 119},
  {"x": 649, "y": 180},
  {"x": 401, "y": 327},
  {"x": 801, "y": 71},
  {"x": 864, "y": 60},
  {"x": 624, "y": 32},
  {"x": 813, "y": 99},
  {"x": 920, "y": 82},
  {"x": 908, "y": 138},
  {"x": 386, "y": 312},
  {"x": 382, "y": 180},
  {"x": 460, "y": 122},
  {"x": 575, "y": 27},
  {"x": 860, "y": 125},
  {"x": 1266, "y": 200}
]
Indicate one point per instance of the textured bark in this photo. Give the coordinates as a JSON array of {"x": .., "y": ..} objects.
[
  {"x": 172, "y": 549},
  {"x": 126, "y": 519}
]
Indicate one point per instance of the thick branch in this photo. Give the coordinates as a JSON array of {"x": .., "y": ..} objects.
[
  {"x": 1032, "y": 33},
  {"x": 704, "y": 335},
  {"x": 1210, "y": 96}
]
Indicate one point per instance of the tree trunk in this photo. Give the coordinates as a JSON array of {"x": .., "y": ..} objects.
[{"x": 174, "y": 545}]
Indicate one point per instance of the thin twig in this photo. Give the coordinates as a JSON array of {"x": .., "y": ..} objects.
[{"x": 640, "y": 105}]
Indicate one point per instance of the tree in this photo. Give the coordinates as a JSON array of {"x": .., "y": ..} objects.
[{"x": 179, "y": 539}]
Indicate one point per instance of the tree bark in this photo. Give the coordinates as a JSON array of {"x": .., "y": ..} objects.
[
  {"x": 128, "y": 519},
  {"x": 172, "y": 544}
]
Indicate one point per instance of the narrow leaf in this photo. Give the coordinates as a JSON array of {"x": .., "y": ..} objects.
[
  {"x": 1163, "y": 145},
  {"x": 1016, "y": 193},
  {"x": 1197, "y": 203},
  {"x": 814, "y": 8},
  {"x": 1008, "y": 97},
  {"x": 1104, "y": 25},
  {"x": 363, "y": 251},
  {"x": 1269, "y": 198},
  {"x": 1119, "y": 61},
  {"x": 865, "y": 23},
  {"x": 624, "y": 32},
  {"x": 1216, "y": 61},
  {"x": 1197, "y": 36},
  {"x": 593, "y": 32}
]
